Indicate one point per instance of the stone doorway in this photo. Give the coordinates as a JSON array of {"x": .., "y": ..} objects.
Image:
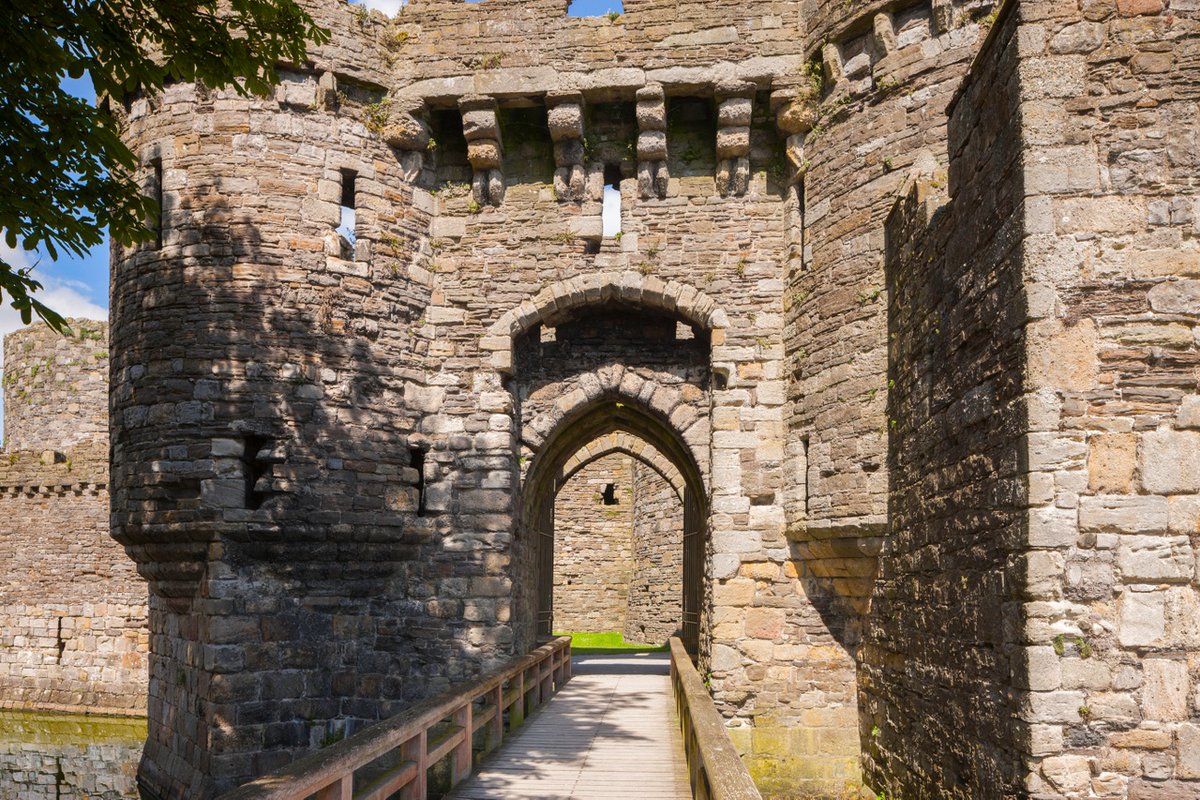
[{"x": 615, "y": 528}]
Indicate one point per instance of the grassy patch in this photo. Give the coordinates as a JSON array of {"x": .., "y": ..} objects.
[{"x": 608, "y": 642}]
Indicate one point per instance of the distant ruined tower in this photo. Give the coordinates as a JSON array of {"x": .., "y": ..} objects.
[
  {"x": 72, "y": 609},
  {"x": 904, "y": 304}
]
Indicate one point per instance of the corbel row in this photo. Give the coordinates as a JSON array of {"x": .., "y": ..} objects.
[{"x": 794, "y": 109}]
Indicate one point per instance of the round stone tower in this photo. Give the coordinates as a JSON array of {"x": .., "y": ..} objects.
[{"x": 55, "y": 386}]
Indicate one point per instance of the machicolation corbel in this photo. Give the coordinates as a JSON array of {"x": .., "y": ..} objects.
[
  {"x": 565, "y": 119},
  {"x": 653, "y": 175},
  {"x": 481, "y": 129},
  {"x": 735, "y": 108}
]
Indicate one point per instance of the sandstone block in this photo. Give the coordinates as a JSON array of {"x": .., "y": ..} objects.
[
  {"x": 565, "y": 121},
  {"x": 480, "y": 124},
  {"x": 406, "y": 132},
  {"x": 1189, "y": 409},
  {"x": 1151, "y": 558},
  {"x": 484, "y": 154},
  {"x": 736, "y": 112},
  {"x": 1165, "y": 690},
  {"x": 1143, "y": 618},
  {"x": 568, "y": 152},
  {"x": 1187, "y": 737},
  {"x": 1170, "y": 462},
  {"x": 1123, "y": 514},
  {"x": 1112, "y": 459},
  {"x": 652, "y": 146},
  {"x": 732, "y": 142}
]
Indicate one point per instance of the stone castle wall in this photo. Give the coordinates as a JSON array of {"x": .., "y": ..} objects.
[
  {"x": 72, "y": 607},
  {"x": 656, "y": 582},
  {"x": 1067, "y": 388},
  {"x": 872, "y": 461},
  {"x": 593, "y": 547}
]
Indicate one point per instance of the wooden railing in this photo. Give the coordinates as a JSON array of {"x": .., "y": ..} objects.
[
  {"x": 714, "y": 767},
  {"x": 395, "y": 755}
]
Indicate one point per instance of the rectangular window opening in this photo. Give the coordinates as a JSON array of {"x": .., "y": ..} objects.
[
  {"x": 416, "y": 460},
  {"x": 610, "y": 217},
  {"x": 348, "y": 223},
  {"x": 256, "y": 468},
  {"x": 609, "y": 495}
]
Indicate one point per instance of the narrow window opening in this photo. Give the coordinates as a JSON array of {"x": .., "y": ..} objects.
[
  {"x": 156, "y": 194},
  {"x": 611, "y": 215},
  {"x": 609, "y": 495},
  {"x": 256, "y": 468},
  {"x": 347, "y": 225},
  {"x": 416, "y": 460},
  {"x": 802, "y": 470},
  {"x": 800, "y": 204}
]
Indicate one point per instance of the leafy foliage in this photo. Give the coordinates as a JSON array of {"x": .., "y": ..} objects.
[{"x": 65, "y": 175}]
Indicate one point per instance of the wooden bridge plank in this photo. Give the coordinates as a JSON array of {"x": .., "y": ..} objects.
[{"x": 610, "y": 732}]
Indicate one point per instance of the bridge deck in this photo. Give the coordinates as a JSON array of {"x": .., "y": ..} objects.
[{"x": 611, "y": 732}]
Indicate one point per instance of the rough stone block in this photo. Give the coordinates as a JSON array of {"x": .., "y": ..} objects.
[
  {"x": 485, "y": 154},
  {"x": 1170, "y": 462},
  {"x": 731, "y": 142},
  {"x": 1151, "y": 558},
  {"x": 652, "y": 146},
  {"x": 565, "y": 121}
]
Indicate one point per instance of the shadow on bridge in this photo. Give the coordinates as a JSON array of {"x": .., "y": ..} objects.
[{"x": 611, "y": 732}]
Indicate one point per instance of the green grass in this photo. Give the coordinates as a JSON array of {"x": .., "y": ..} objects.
[{"x": 607, "y": 642}]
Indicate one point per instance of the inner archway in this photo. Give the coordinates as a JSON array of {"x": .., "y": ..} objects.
[
  {"x": 618, "y": 543},
  {"x": 613, "y": 440}
]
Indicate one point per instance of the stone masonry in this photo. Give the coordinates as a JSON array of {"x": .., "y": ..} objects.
[
  {"x": 72, "y": 609},
  {"x": 901, "y": 314}
]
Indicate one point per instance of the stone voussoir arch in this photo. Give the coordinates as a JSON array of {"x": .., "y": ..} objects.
[
  {"x": 555, "y": 301},
  {"x": 620, "y": 441},
  {"x": 665, "y": 401}
]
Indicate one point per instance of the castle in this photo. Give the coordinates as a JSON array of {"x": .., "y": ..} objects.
[{"x": 903, "y": 314}]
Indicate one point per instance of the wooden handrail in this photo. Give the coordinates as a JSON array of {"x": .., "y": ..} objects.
[
  {"x": 714, "y": 767},
  {"x": 518, "y": 688}
]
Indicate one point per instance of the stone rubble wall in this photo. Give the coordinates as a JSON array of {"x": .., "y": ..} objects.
[
  {"x": 73, "y": 631},
  {"x": 656, "y": 582},
  {"x": 1112, "y": 260},
  {"x": 593, "y": 547},
  {"x": 945, "y": 605},
  {"x": 1074, "y": 134}
]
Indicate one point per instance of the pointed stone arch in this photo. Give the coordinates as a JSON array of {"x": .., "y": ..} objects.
[
  {"x": 555, "y": 302},
  {"x": 633, "y": 446}
]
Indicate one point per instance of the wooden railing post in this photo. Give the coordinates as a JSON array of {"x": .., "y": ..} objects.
[
  {"x": 496, "y": 734},
  {"x": 414, "y": 750},
  {"x": 517, "y": 715},
  {"x": 341, "y": 789},
  {"x": 460, "y": 759},
  {"x": 715, "y": 770}
]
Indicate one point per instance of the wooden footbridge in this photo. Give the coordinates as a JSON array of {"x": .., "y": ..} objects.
[{"x": 632, "y": 726}]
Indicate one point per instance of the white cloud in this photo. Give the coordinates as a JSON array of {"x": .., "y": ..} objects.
[
  {"x": 611, "y": 211},
  {"x": 59, "y": 294},
  {"x": 389, "y": 7}
]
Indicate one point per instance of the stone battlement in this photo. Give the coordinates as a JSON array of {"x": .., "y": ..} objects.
[{"x": 73, "y": 631}]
